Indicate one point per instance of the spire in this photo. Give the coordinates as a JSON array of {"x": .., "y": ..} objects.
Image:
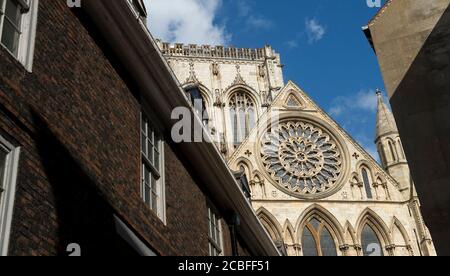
[{"x": 385, "y": 120}]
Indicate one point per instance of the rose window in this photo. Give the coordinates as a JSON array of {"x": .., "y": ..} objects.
[{"x": 302, "y": 158}]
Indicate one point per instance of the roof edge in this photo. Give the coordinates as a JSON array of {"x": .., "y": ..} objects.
[{"x": 380, "y": 13}]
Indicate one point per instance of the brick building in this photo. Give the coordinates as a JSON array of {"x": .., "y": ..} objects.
[{"x": 85, "y": 143}]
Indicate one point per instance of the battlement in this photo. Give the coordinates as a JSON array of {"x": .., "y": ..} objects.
[{"x": 219, "y": 52}]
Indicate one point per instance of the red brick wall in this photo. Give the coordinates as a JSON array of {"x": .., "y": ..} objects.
[{"x": 76, "y": 118}]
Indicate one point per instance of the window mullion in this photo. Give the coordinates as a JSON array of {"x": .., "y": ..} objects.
[
  {"x": 247, "y": 123},
  {"x": 2, "y": 16},
  {"x": 319, "y": 237},
  {"x": 151, "y": 167},
  {"x": 316, "y": 237},
  {"x": 17, "y": 28}
]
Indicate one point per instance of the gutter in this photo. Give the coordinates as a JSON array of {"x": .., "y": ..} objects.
[
  {"x": 368, "y": 34},
  {"x": 137, "y": 50}
]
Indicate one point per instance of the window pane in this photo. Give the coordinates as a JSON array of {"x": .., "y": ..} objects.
[
  {"x": 146, "y": 175},
  {"x": 150, "y": 151},
  {"x": 215, "y": 234},
  {"x": 251, "y": 115},
  {"x": 367, "y": 183},
  {"x": 327, "y": 243},
  {"x": 151, "y": 135},
  {"x": 233, "y": 120},
  {"x": 3, "y": 156},
  {"x": 144, "y": 144},
  {"x": 394, "y": 156},
  {"x": 147, "y": 192},
  {"x": 13, "y": 13},
  {"x": 315, "y": 224},
  {"x": 242, "y": 125},
  {"x": 210, "y": 229},
  {"x": 154, "y": 201},
  {"x": 218, "y": 233},
  {"x": 309, "y": 244},
  {"x": 10, "y": 37},
  {"x": 157, "y": 158},
  {"x": 370, "y": 242}
]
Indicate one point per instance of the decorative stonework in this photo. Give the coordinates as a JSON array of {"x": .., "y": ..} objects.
[
  {"x": 302, "y": 158},
  {"x": 192, "y": 76}
]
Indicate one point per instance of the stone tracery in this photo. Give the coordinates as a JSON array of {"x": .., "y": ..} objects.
[{"x": 302, "y": 158}]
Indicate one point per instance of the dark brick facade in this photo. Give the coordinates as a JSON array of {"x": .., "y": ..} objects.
[{"x": 76, "y": 118}]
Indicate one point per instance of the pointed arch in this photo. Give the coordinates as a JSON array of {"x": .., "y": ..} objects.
[
  {"x": 257, "y": 175},
  {"x": 370, "y": 219},
  {"x": 350, "y": 240},
  {"x": 271, "y": 224},
  {"x": 399, "y": 236},
  {"x": 382, "y": 153},
  {"x": 244, "y": 88},
  {"x": 204, "y": 91},
  {"x": 367, "y": 165},
  {"x": 355, "y": 179},
  {"x": 349, "y": 234},
  {"x": 393, "y": 150},
  {"x": 289, "y": 239},
  {"x": 400, "y": 148},
  {"x": 289, "y": 233},
  {"x": 244, "y": 160},
  {"x": 242, "y": 112},
  {"x": 367, "y": 176},
  {"x": 247, "y": 164},
  {"x": 321, "y": 212},
  {"x": 327, "y": 226},
  {"x": 292, "y": 101}
]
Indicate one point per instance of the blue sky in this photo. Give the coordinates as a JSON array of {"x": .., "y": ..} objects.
[{"x": 321, "y": 44}]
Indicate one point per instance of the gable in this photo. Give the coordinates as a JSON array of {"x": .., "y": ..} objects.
[{"x": 331, "y": 160}]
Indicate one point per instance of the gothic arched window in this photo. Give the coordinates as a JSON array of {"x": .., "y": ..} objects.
[
  {"x": 198, "y": 102},
  {"x": 400, "y": 148},
  {"x": 365, "y": 176},
  {"x": 242, "y": 116},
  {"x": 393, "y": 152},
  {"x": 382, "y": 154},
  {"x": 370, "y": 242},
  {"x": 317, "y": 239}
]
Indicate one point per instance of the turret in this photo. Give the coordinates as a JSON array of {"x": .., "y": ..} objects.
[{"x": 390, "y": 147}]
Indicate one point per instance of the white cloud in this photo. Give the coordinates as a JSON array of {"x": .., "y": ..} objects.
[
  {"x": 363, "y": 101},
  {"x": 259, "y": 22},
  {"x": 253, "y": 21},
  {"x": 356, "y": 114},
  {"x": 292, "y": 44},
  {"x": 186, "y": 21},
  {"x": 314, "y": 30}
]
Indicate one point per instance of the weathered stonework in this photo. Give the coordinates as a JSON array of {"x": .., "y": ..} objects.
[
  {"x": 283, "y": 176},
  {"x": 220, "y": 72},
  {"x": 411, "y": 39}
]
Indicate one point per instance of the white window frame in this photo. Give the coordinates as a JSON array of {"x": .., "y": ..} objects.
[
  {"x": 25, "y": 53},
  {"x": 160, "y": 182},
  {"x": 214, "y": 243},
  {"x": 8, "y": 195},
  {"x": 130, "y": 237}
]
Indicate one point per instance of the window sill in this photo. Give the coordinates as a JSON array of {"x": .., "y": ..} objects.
[{"x": 16, "y": 59}]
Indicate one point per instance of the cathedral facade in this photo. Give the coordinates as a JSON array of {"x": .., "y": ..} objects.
[{"x": 316, "y": 191}]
